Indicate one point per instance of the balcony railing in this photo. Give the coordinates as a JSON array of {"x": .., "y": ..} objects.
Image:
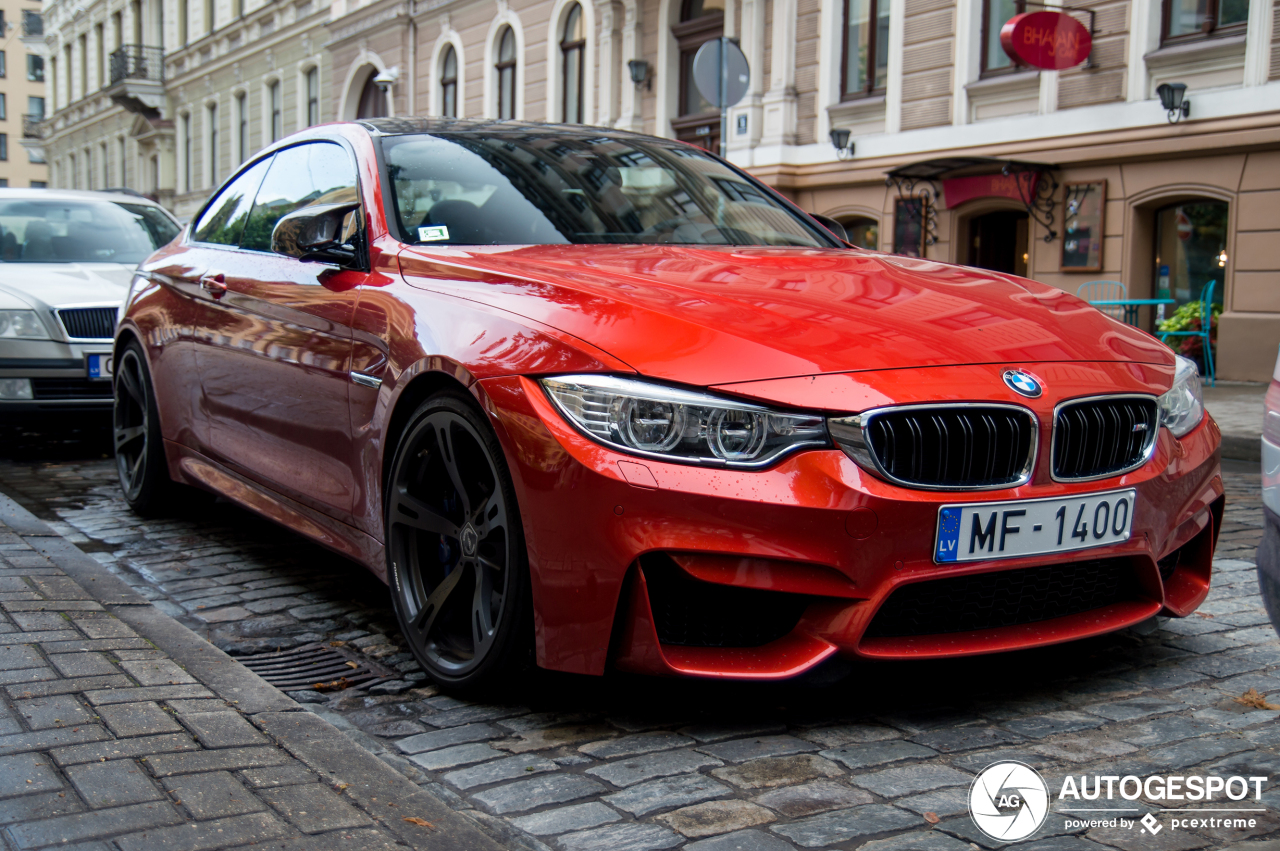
[
  {"x": 31, "y": 127},
  {"x": 137, "y": 62}
]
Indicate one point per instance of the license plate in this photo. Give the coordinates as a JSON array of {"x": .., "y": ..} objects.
[
  {"x": 100, "y": 367},
  {"x": 980, "y": 531}
]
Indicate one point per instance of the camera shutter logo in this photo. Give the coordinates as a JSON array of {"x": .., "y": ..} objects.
[{"x": 1008, "y": 801}]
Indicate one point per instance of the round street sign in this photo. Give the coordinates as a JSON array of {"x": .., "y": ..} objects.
[
  {"x": 722, "y": 86},
  {"x": 1052, "y": 40}
]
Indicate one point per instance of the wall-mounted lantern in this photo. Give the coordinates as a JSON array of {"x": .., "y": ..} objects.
[
  {"x": 1173, "y": 99},
  {"x": 840, "y": 140}
]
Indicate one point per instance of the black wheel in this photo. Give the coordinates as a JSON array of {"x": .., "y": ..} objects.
[
  {"x": 140, "y": 461},
  {"x": 456, "y": 556}
]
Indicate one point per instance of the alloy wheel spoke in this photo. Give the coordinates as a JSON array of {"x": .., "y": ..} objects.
[
  {"x": 132, "y": 386},
  {"x": 408, "y": 510},
  {"x": 449, "y": 457},
  {"x": 125, "y": 436},
  {"x": 135, "y": 470},
  {"x": 481, "y": 613},
  {"x": 426, "y": 617},
  {"x": 491, "y": 515}
]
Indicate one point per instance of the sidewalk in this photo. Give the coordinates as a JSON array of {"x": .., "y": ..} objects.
[
  {"x": 1238, "y": 408},
  {"x": 119, "y": 725}
]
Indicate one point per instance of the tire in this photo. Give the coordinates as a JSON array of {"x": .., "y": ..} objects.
[
  {"x": 456, "y": 558},
  {"x": 139, "y": 446}
]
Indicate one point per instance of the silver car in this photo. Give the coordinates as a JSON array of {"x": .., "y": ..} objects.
[{"x": 66, "y": 259}]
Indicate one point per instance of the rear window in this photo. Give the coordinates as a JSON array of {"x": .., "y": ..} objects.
[{"x": 81, "y": 231}]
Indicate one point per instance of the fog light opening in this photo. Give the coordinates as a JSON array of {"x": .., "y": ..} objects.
[
  {"x": 1169, "y": 564},
  {"x": 15, "y": 388}
]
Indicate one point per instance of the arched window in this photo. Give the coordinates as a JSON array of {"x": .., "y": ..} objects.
[
  {"x": 449, "y": 83},
  {"x": 506, "y": 68},
  {"x": 863, "y": 232},
  {"x": 373, "y": 101},
  {"x": 573, "y": 47},
  {"x": 699, "y": 121}
]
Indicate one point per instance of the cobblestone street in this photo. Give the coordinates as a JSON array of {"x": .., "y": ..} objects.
[{"x": 878, "y": 757}]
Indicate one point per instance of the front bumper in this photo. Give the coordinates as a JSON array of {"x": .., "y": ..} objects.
[
  {"x": 671, "y": 569},
  {"x": 59, "y": 375}
]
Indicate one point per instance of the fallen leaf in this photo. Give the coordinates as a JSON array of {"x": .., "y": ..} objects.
[
  {"x": 420, "y": 822},
  {"x": 337, "y": 643},
  {"x": 353, "y": 664},
  {"x": 1253, "y": 700},
  {"x": 932, "y": 818},
  {"x": 341, "y": 786},
  {"x": 337, "y": 685},
  {"x": 1204, "y": 615}
]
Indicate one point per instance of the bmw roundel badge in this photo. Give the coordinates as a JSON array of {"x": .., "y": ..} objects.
[{"x": 1023, "y": 383}]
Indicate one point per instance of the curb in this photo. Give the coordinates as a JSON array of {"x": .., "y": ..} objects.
[{"x": 370, "y": 783}]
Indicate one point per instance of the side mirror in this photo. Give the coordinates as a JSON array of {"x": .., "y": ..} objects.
[
  {"x": 320, "y": 233},
  {"x": 831, "y": 225}
]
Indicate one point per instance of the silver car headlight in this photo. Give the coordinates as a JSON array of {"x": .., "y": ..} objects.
[
  {"x": 24, "y": 324},
  {"x": 1182, "y": 408},
  {"x": 681, "y": 425}
]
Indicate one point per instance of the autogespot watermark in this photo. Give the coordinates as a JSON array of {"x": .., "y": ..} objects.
[{"x": 1009, "y": 801}]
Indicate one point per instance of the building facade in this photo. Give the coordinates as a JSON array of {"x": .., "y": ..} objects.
[
  {"x": 22, "y": 99},
  {"x": 950, "y": 150},
  {"x": 168, "y": 97}
]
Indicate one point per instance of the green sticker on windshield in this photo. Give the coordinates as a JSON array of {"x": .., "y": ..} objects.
[{"x": 433, "y": 233}]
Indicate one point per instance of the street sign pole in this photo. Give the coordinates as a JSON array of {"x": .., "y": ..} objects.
[{"x": 721, "y": 73}]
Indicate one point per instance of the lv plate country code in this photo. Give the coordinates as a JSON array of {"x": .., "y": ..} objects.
[{"x": 979, "y": 531}]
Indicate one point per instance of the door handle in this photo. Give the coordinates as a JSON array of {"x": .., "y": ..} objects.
[{"x": 214, "y": 284}]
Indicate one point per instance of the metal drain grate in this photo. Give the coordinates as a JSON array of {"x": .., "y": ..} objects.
[{"x": 310, "y": 665}]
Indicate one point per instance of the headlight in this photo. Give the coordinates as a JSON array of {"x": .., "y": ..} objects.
[
  {"x": 1182, "y": 408},
  {"x": 22, "y": 323},
  {"x": 680, "y": 425}
]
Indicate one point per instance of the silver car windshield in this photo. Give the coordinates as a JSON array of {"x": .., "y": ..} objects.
[
  {"x": 80, "y": 231},
  {"x": 537, "y": 188}
]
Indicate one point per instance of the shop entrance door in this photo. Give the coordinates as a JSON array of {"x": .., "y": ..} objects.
[
  {"x": 1191, "y": 242},
  {"x": 998, "y": 241}
]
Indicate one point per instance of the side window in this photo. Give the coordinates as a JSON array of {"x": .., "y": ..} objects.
[
  {"x": 318, "y": 173},
  {"x": 224, "y": 218}
]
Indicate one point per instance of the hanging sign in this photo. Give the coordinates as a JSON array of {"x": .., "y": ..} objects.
[
  {"x": 1051, "y": 40},
  {"x": 1019, "y": 187}
]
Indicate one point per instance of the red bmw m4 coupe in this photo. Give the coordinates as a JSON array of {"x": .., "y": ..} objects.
[{"x": 596, "y": 400}]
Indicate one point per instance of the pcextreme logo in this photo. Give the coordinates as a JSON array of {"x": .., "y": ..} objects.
[{"x": 1009, "y": 801}]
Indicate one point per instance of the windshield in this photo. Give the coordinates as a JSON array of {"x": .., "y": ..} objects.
[
  {"x": 81, "y": 231},
  {"x": 474, "y": 188}
]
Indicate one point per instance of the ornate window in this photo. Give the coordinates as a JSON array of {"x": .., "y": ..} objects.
[
  {"x": 866, "y": 48},
  {"x": 573, "y": 48},
  {"x": 1186, "y": 20},
  {"x": 449, "y": 83},
  {"x": 506, "y": 69}
]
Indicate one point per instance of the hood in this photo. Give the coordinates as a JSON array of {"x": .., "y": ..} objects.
[
  {"x": 710, "y": 315},
  {"x": 57, "y": 284}
]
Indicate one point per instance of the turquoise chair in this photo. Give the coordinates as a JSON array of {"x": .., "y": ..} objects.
[
  {"x": 1206, "y": 318},
  {"x": 1105, "y": 291}
]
